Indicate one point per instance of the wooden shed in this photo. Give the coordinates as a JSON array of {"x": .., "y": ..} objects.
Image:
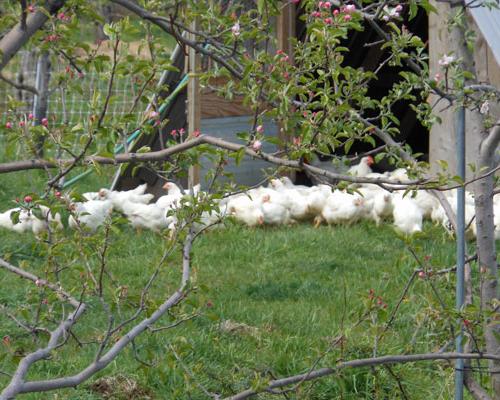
[
  {"x": 196, "y": 108},
  {"x": 486, "y": 24}
]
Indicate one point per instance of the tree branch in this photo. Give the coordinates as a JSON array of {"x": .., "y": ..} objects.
[
  {"x": 17, "y": 37},
  {"x": 39, "y": 282},
  {"x": 18, "y": 86},
  {"x": 162, "y": 155},
  {"x": 364, "y": 362},
  {"x": 161, "y": 23},
  {"x": 18, "y": 385}
]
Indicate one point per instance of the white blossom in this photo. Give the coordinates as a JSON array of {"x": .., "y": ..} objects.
[
  {"x": 446, "y": 60},
  {"x": 485, "y": 108}
]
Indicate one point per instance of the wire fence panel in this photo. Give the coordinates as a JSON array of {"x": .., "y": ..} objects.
[{"x": 67, "y": 107}]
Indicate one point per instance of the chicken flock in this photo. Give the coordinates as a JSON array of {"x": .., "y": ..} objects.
[{"x": 280, "y": 203}]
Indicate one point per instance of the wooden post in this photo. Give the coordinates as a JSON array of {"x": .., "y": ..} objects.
[
  {"x": 193, "y": 66},
  {"x": 285, "y": 30}
]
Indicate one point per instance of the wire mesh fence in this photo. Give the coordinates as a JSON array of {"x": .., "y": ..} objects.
[{"x": 67, "y": 107}]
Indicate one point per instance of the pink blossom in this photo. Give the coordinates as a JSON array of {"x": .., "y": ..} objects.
[
  {"x": 31, "y": 116},
  {"x": 347, "y": 17},
  {"x": 259, "y": 129},
  {"x": 297, "y": 141},
  {"x": 173, "y": 132},
  {"x": 315, "y": 14},
  {"x": 286, "y": 75},
  {"x": 320, "y": 4},
  {"x": 350, "y": 8},
  {"x": 279, "y": 52},
  {"x": 51, "y": 38},
  {"x": 80, "y": 75},
  {"x": 437, "y": 77},
  {"x": 328, "y": 21},
  {"x": 327, "y": 4},
  {"x": 8, "y": 125},
  {"x": 236, "y": 29},
  {"x": 196, "y": 133},
  {"x": 256, "y": 145},
  {"x": 336, "y": 12},
  {"x": 22, "y": 123},
  {"x": 154, "y": 114},
  {"x": 45, "y": 122},
  {"x": 399, "y": 8},
  {"x": 61, "y": 16},
  {"x": 182, "y": 131}
]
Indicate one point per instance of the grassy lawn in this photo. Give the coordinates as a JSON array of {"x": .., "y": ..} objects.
[{"x": 296, "y": 288}]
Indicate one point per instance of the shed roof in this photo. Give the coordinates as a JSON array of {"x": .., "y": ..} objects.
[{"x": 488, "y": 21}]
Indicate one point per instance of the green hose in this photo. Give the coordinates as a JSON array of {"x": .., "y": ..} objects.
[{"x": 137, "y": 133}]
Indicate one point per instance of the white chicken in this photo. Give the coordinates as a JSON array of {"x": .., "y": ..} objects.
[
  {"x": 407, "y": 215},
  {"x": 426, "y": 201},
  {"x": 287, "y": 182},
  {"x": 147, "y": 216},
  {"x": 90, "y": 214},
  {"x": 132, "y": 196},
  {"x": 40, "y": 225},
  {"x": 316, "y": 198},
  {"x": 294, "y": 198},
  {"x": 91, "y": 195},
  {"x": 342, "y": 208},
  {"x": 172, "y": 198},
  {"x": 399, "y": 175},
  {"x": 246, "y": 210},
  {"x": 382, "y": 206},
  {"x": 363, "y": 168},
  {"x": 275, "y": 211},
  {"x": 24, "y": 224}
]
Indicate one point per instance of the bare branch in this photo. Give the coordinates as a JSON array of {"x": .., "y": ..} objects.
[
  {"x": 16, "y": 38},
  {"x": 18, "y": 385},
  {"x": 40, "y": 282},
  {"x": 162, "y": 155},
  {"x": 17, "y": 85},
  {"x": 364, "y": 362}
]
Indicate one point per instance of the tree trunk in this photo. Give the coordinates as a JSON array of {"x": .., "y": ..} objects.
[{"x": 486, "y": 250}]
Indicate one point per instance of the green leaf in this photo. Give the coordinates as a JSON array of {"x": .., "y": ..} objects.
[
  {"x": 144, "y": 149},
  {"x": 14, "y": 216}
]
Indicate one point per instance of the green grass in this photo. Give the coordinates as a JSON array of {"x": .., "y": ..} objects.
[{"x": 298, "y": 286}]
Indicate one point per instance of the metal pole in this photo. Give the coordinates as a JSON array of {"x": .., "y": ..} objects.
[{"x": 460, "y": 143}]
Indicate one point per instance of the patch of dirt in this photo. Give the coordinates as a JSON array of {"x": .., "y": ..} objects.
[
  {"x": 120, "y": 387},
  {"x": 228, "y": 326}
]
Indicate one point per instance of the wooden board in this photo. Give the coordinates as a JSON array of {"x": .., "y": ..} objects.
[{"x": 193, "y": 101}]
